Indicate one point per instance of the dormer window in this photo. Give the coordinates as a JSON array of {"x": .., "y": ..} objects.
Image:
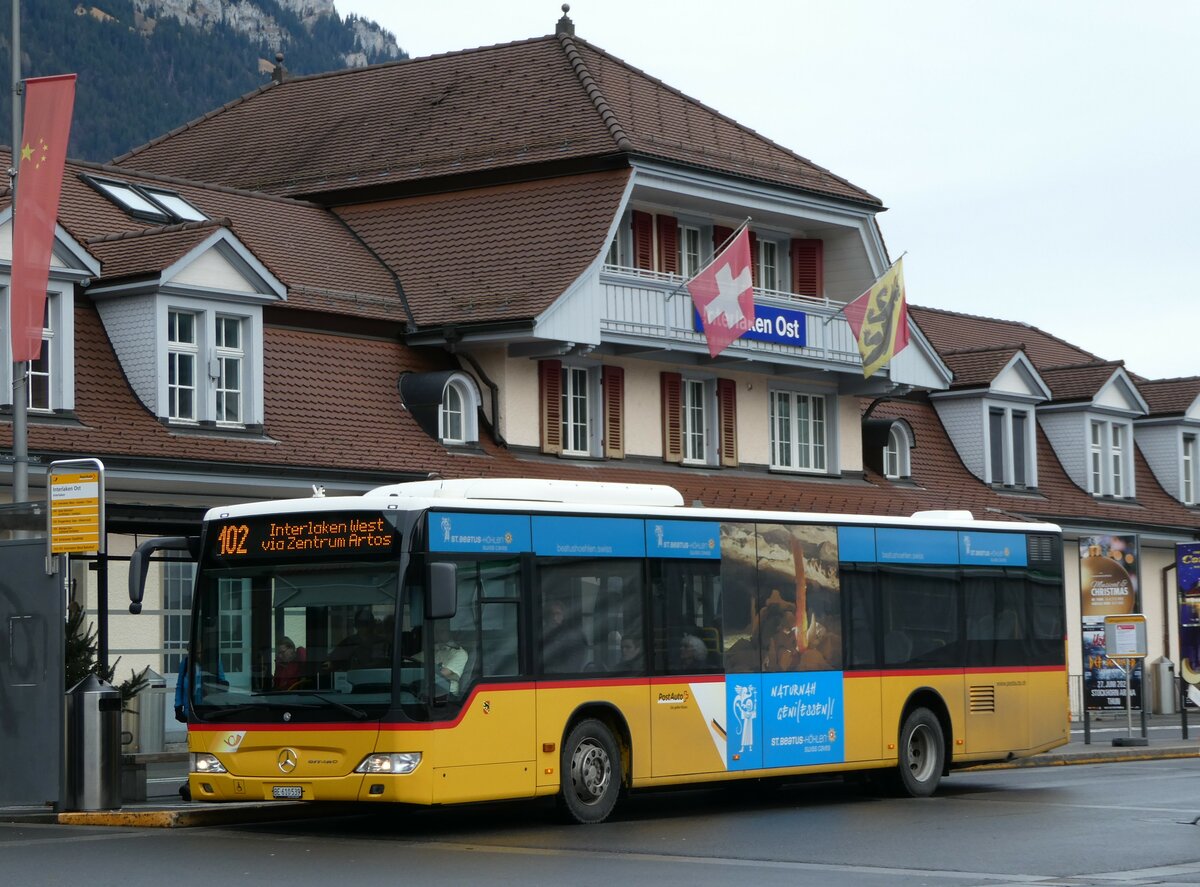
[
  {"x": 1010, "y": 447},
  {"x": 1111, "y": 459},
  {"x": 896, "y": 456},
  {"x": 457, "y": 415},
  {"x": 147, "y": 202},
  {"x": 1188, "y": 490}
]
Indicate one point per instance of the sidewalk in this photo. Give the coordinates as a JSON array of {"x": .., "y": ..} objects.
[{"x": 163, "y": 807}]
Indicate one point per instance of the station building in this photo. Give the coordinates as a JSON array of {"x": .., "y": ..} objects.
[{"x": 471, "y": 264}]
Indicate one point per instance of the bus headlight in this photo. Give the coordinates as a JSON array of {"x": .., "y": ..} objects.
[
  {"x": 206, "y": 763},
  {"x": 400, "y": 762}
]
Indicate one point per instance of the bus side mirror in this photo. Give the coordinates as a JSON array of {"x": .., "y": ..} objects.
[
  {"x": 139, "y": 563},
  {"x": 441, "y": 592}
]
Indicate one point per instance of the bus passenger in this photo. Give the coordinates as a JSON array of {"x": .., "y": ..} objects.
[
  {"x": 367, "y": 647},
  {"x": 289, "y": 665},
  {"x": 449, "y": 657},
  {"x": 693, "y": 654},
  {"x": 631, "y": 654},
  {"x": 564, "y": 646}
]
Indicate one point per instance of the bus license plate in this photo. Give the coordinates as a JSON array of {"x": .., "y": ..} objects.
[{"x": 287, "y": 792}]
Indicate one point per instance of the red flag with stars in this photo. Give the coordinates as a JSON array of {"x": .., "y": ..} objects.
[
  {"x": 723, "y": 294},
  {"x": 48, "y": 105}
]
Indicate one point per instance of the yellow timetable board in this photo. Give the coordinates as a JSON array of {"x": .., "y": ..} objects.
[{"x": 75, "y": 512}]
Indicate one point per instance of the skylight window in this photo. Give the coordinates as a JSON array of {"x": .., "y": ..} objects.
[{"x": 145, "y": 202}]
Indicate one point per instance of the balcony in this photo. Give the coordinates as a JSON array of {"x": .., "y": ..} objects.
[{"x": 650, "y": 310}]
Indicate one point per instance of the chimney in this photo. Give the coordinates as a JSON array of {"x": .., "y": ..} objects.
[
  {"x": 280, "y": 71},
  {"x": 565, "y": 25}
]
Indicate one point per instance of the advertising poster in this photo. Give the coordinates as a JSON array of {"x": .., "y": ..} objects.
[
  {"x": 783, "y": 582},
  {"x": 1108, "y": 586},
  {"x": 1187, "y": 562}
]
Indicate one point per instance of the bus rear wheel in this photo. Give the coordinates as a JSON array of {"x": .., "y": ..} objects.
[
  {"x": 922, "y": 752},
  {"x": 591, "y": 772}
]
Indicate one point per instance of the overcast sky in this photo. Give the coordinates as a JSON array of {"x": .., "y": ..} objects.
[{"x": 1040, "y": 159}]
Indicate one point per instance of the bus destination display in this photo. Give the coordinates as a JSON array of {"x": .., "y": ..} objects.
[{"x": 287, "y": 536}]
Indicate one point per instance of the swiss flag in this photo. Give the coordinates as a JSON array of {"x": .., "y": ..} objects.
[{"x": 723, "y": 293}]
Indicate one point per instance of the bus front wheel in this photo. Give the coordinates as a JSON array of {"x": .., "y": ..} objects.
[
  {"x": 591, "y": 772},
  {"x": 921, "y": 754}
]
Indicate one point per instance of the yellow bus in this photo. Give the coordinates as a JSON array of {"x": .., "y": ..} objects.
[{"x": 453, "y": 641}]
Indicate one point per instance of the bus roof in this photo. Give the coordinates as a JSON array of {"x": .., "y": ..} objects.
[{"x": 556, "y": 496}]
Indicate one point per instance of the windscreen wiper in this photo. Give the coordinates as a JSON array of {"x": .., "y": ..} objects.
[{"x": 357, "y": 713}]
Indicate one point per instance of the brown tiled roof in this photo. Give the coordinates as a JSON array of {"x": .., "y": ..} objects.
[
  {"x": 944, "y": 482},
  {"x": 978, "y": 367},
  {"x": 148, "y": 251},
  {"x": 663, "y": 122},
  {"x": 543, "y": 101},
  {"x": 493, "y": 253},
  {"x": 1170, "y": 397},
  {"x": 323, "y": 264},
  {"x": 953, "y": 331},
  {"x": 1079, "y": 382}
]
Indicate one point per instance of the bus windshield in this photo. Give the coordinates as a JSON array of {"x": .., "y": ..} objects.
[
  {"x": 283, "y": 635},
  {"x": 297, "y": 635}
]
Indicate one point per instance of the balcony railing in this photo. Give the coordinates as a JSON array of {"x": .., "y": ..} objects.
[{"x": 649, "y": 307}]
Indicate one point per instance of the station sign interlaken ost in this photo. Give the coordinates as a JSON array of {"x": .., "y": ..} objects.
[{"x": 75, "y": 512}]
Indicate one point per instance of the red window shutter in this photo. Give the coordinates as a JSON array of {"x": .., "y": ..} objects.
[
  {"x": 808, "y": 267},
  {"x": 672, "y": 417},
  {"x": 550, "y": 383},
  {"x": 727, "y": 404},
  {"x": 720, "y": 235},
  {"x": 613, "y": 380},
  {"x": 643, "y": 240},
  {"x": 668, "y": 244},
  {"x": 753, "y": 258}
]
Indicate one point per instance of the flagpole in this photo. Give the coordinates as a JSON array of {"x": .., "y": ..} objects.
[
  {"x": 832, "y": 317},
  {"x": 20, "y": 447},
  {"x": 716, "y": 252}
]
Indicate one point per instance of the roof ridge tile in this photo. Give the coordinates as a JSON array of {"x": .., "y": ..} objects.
[
  {"x": 594, "y": 92},
  {"x": 155, "y": 230},
  {"x": 740, "y": 126}
]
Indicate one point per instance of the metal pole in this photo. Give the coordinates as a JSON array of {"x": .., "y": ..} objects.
[{"x": 19, "y": 368}]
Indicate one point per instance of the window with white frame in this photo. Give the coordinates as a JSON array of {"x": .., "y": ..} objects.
[
  {"x": 182, "y": 351},
  {"x": 689, "y": 250},
  {"x": 177, "y": 576},
  {"x": 576, "y": 411},
  {"x": 210, "y": 364},
  {"x": 798, "y": 431},
  {"x": 1188, "y": 476},
  {"x": 41, "y": 370},
  {"x": 1010, "y": 446},
  {"x": 696, "y": 394},
  {"x": 1111, "y": 458},
  {"x": 768, "y": 265},
  {"x": 457, "y": 422},
  {"x": 230, "y": 358},
  {"x": 896, "y": 457}
]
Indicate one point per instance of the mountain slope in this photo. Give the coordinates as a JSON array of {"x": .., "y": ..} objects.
[{"x": 147, "y": 66}]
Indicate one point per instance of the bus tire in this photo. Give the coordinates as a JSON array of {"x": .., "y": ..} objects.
[
  {"x": 922, "y": 752},
  {"x": 591, "y": 772}
]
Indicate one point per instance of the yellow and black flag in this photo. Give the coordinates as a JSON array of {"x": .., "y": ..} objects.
[{"x": 879, "y": 319}]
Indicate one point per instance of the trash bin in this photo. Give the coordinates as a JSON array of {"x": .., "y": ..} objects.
[
  {"x": 1164, "y": 685},
  {"x": 152, "y": 709},
  {"x": 93, "y": 746}
]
